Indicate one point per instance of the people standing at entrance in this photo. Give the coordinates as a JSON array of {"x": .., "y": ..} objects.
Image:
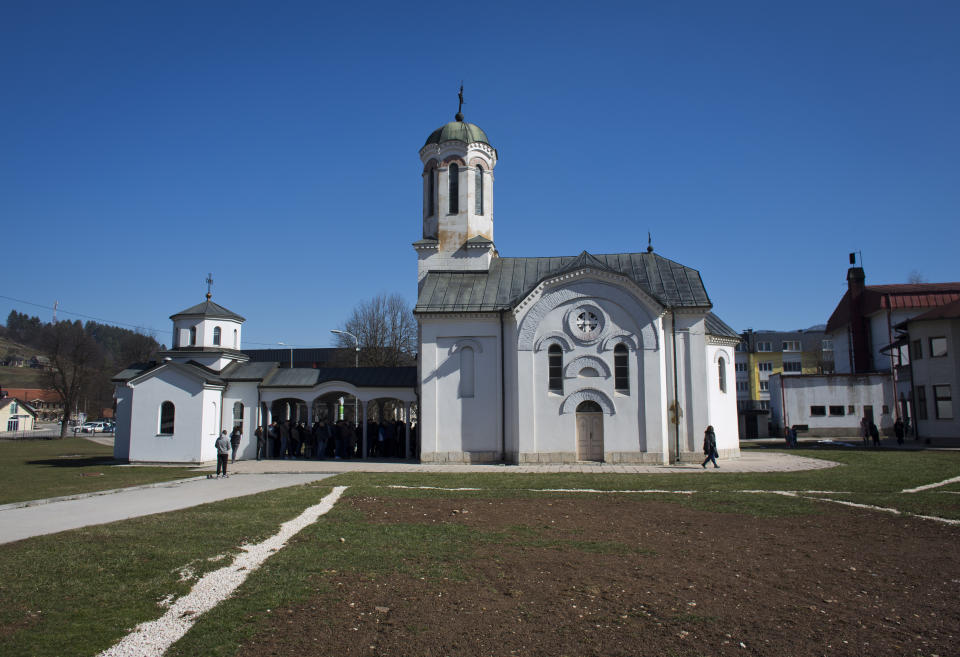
[
  {"x": 898, "y": 431},
  {"x": 284, "y": 438},
  {"x": 273, "y": 431},
  {"x": 875, "y": 434},
  {"x": 710, "y": 447},
  {"x": 223, "y": 451},
  {"x": 235, "y": 442},
  {"x": 261, "y": 443}
]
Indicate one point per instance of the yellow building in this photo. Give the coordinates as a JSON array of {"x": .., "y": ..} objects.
[{"x": 762, "y": 354}]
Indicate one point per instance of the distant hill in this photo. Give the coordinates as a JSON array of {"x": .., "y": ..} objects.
[{"x": 89, "y": 355}]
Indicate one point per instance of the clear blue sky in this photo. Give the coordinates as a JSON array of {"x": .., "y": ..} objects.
[{"x": 275, "y": 144}]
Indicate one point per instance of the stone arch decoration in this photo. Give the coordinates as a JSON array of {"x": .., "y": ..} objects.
[
  {"x": 466, "y": 342},
  {"x": 554, "y": 337},
  {"x": 557, "y": 294},
  {"x": 574, "y": 399},
  {"x": 629, "y": 340},
  {"x": 430, "y": 165},
  {"x": 573, "y": 368},
  {"x": 721, "y": 353}
]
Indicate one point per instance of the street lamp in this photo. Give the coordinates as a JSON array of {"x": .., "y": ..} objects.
[
  {"x": 356, "y": 361},
  {"x": 291, "y": 352}
]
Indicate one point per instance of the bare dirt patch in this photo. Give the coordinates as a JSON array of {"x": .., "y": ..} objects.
[{"x": 622, "y": 576}]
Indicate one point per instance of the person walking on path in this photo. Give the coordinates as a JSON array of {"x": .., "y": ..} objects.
[
  {"x": 223, "y": 451},
  {"x": 235, "y": 443},
  {"x": 710, "y": 447}
]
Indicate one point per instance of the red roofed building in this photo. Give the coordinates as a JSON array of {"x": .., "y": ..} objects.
[{"x": 48, "y": 404}]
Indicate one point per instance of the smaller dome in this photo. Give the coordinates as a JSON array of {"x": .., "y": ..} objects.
[{"x": 458, "y": 131}]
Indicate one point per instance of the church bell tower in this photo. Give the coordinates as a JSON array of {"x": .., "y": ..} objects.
[{"x": 458, "y": 163}]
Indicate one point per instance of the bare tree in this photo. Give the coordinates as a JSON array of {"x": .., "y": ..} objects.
[
  {"x": 916, "y": 277},
  {"x": 386, "y": 331},
  {"x": 75, "y": 360}
]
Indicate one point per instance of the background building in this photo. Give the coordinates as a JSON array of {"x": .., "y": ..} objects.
[{"x": 760, "y": 355}]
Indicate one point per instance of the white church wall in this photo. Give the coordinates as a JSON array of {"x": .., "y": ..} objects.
[
  {"x": 244, "y": 392},
  {"x": 632, "y": 423},
  {"x": 184, "y": 445},
  {"x": 460, "y": 422},
  {"x": 722, "y": 403},
  {"x": 121, "y": 435}
]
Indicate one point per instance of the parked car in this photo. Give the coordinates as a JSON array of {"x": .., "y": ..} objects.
[{"x": 93, "y": 427}]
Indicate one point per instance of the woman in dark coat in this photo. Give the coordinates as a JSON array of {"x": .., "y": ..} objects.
[{"x": 710, "y": 447}]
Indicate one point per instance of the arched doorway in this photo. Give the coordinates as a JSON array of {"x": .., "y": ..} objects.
[{"x": 589, "y": 431}]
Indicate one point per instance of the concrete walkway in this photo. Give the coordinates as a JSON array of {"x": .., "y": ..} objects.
[
  {"x": 97, "y": 509},
  {"x": 749, "y": 461}
]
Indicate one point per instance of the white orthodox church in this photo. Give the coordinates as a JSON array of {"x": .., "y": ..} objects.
[{"x": 611, "y": 358}]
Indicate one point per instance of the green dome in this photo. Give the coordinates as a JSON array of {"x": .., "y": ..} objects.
[{"x": 458, "y": 131}]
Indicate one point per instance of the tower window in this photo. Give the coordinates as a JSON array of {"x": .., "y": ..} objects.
[
  {"x": 722, "y": 374},
  {"x": 216, "y": 335},
  {"x": 555, "y": 368},
  {"x": 478, "y": 191},
  {"x": 193, "y": 336},
  {"x": 454, "y": 172},
  {"x": 236, "y": 342},
  {"x": 621, "y": 369},
  {"x": 429, "y": 191}
]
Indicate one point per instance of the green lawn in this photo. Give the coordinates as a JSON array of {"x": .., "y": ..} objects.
[
  {"x": 96, "y": 584},
  {"x": 37, "y": 469}
]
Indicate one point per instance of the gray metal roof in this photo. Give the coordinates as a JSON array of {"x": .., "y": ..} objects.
[
  {"x": 247, "y": 371},
  {"x": 718, "y": 327},
  {"x": 509, "y": 280},
  {"x": 362, "y": 377},
  {"x": 208, "y": 309}
]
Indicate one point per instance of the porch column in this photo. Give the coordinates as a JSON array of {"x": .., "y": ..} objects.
[
  {"x": 406, "y": 424},
  {"x": 364, "y": 447},
  {"x": 268, "y": 415}
]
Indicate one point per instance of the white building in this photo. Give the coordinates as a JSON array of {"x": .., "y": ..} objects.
[
  {"x": 612, "y": 357},
  {"x": 934, "y": 339},
  {"x": 172, "y": 411}
]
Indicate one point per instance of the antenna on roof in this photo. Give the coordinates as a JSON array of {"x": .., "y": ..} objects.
[{"x": 209, "y": 282}]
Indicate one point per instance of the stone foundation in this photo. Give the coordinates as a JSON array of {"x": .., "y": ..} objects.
[{"x": 460, "y": 457}]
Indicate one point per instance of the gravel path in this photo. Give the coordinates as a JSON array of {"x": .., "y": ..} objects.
[{"x": 151, "y": 639}]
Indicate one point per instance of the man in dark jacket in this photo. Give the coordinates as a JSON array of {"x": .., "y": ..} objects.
[{"x": 710, "y": 447}]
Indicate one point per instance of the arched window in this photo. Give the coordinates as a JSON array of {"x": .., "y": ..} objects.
[
  {"x": 236, "y": 342},
  {"x": 167, "y": 412},
  {"x": 216, "y": 335},
  {"x": 454, "y": 172},
  {"x": 478, "y": 190},
  {"x": 429, "y": 193},
  {"x": 722, "y": 372},
  {"x": 466, "y": 372},
  {"x": 193, "y": 336},
  {"x": 238, "y": 414},
  {"x": 621, "y": 369},
  {"x": 555, "y": 368}
]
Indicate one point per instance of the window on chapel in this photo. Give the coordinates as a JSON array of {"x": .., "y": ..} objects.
[
  {"x": 478, "y": 190},
  {"x": 216, "y": 335},
  {"x": 621, "y": 369},
  {"x": 555, "y": 368}
]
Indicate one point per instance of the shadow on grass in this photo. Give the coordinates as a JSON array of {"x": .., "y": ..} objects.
[{"x": 76, "y": 462}]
